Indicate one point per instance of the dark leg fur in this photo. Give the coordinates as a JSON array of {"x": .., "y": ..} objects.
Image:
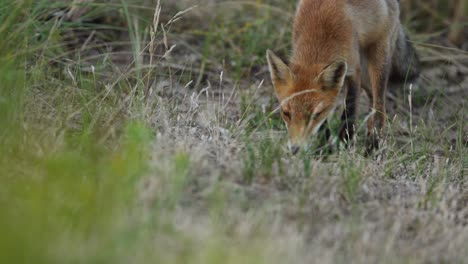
[
  {"x": 349, "y": 115},
  {"x": 325, "y": 131}
]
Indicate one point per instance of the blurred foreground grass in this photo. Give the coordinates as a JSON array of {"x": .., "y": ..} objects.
[
  {"x": 62, "y": 189},
  {"x": 74, "y": 151}
]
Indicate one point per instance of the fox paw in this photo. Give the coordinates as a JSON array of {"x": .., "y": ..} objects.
[{"x": 372, "y": 143}]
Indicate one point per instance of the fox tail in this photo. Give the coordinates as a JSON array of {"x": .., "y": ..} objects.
[{"x": 405, "y": 61}]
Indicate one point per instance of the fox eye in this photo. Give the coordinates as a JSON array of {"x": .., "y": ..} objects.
[{"x": 286, "y": 115}]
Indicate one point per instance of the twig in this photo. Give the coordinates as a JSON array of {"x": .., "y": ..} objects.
[{"x": 456, "y": 28}]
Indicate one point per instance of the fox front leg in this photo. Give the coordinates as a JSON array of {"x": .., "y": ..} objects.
[{"x": 379, "y": 70}]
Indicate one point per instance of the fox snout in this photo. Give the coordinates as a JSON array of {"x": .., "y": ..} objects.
[
  {"x": 294, "y": 149},
  {"x": 298, "y": 135},
  {"x": 302, "y": 137}
]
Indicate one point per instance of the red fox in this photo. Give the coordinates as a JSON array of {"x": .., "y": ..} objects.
[{"x": 341, "y": 43}]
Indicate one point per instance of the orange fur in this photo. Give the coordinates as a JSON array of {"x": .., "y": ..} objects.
[{"x": 334, "y": 41}]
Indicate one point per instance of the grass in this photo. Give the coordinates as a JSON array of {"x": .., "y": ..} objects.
[{"x": 129, "y": 135}]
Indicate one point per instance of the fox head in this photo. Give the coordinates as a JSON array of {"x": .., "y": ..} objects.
[{"x": 307, "y": 95}]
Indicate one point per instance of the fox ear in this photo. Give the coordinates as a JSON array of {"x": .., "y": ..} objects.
[
  {"x": 333, "y": 76},
  {"x": 279, "y": 71},
  {"x": 280, "y": 74}
]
